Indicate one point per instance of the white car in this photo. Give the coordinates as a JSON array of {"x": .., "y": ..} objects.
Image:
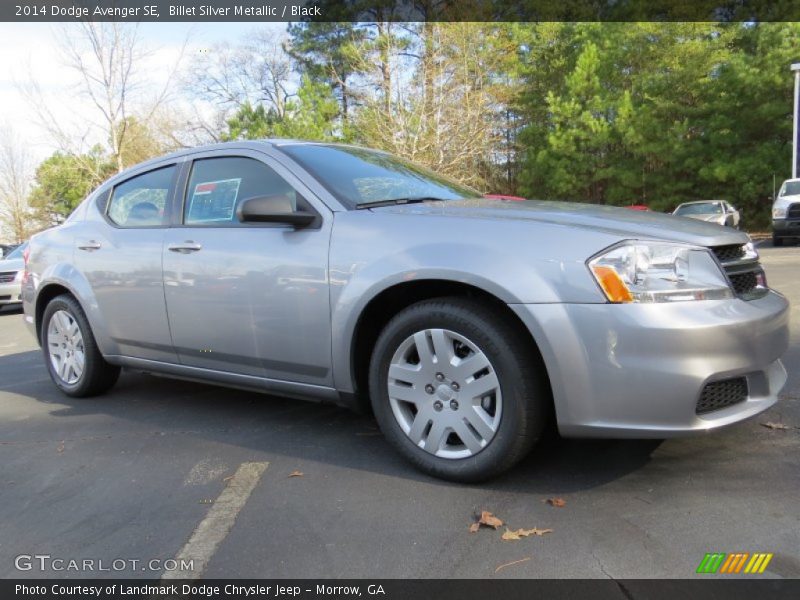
[
  {"x": 12, "y": 267},
  {"x": 710, "y": 211}
]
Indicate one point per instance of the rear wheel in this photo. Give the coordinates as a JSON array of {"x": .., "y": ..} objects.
[
  {"x": 70, "y": 351},
  {"x": 456, "y": 390}
]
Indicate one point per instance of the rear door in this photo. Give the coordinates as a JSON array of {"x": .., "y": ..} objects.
[
  {"x": 248, "y": 298},
  {"x": 118, "y": 248}
]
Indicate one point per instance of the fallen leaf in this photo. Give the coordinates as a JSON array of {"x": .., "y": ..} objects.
[
  {"x": 60, "y": 448},
  {"x": 557, "y": 502},
  {"x": 474, "y": 527},
  {"x": 489, "y": 520},
  {"x": 228, "y": 478},
  {"x": 534, "y": 531},
  {"x": 515, "y": 562},
  {"x": 296, "y": 474},
  {"x": 518, "y": 534},
  {"x": 770, "y": 425}
]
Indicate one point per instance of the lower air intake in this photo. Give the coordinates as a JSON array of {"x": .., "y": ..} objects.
[{"x": 722, "y": 394}]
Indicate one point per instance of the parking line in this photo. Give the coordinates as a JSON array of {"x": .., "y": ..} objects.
[{"x": 218, "y": 522}]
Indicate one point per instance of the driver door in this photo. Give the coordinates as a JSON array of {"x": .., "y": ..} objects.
[{"x": 247, "y": 298}]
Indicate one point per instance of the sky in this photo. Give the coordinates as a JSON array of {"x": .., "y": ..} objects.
[{"x": 29, "y": 50}]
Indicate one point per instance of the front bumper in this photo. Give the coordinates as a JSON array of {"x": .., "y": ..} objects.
[
  {"x": 787, "y": 228},
  {"x": 10, "y": 293},
  {"x": 638, "y": 370}
]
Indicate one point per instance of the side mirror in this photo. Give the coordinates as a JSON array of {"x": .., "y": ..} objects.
[{"x": 273, "y": 209}]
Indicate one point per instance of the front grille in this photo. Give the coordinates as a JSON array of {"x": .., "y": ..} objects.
[
  {"x": 793, "y": 211},
  {"x": 743, "y": 270},
  {"x": 729, "y": 253},
  {"x": 4, "y": 298},
  {"x": 7, "y": 276},
  {"x": 722, "y": 394}
]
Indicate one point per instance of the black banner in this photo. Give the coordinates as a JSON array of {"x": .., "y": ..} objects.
[
  {"x": 398, "y": 10},
  {"x": 732, "y": 588}
]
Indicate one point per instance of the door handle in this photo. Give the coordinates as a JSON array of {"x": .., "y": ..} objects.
[
  {"x": 185, "y": 247},
  {"x": 89, "y": 246}
]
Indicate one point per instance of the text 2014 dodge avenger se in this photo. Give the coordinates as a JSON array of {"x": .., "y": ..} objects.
[{"x": 347, "y": 275}]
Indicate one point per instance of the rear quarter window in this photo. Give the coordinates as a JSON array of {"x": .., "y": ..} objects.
[{"x": 142, "y": 201}]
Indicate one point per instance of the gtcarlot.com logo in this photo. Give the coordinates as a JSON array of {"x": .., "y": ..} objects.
[
  {"x": 46, "y": 562},
  {"x": 737, "y": 562}
]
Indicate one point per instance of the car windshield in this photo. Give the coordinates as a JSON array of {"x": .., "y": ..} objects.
[
  {"x": 356, "y": 176},
  {"x": 17, "y": 252},
  {"x": 701, "y": 208},
  {"x": 791, "y": 188}
]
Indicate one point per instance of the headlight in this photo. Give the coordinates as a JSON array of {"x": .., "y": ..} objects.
[
  {"x": 658, "y": 272},
  {"x": 779, "y": 212},
  {"x": 18, "y": 276}
]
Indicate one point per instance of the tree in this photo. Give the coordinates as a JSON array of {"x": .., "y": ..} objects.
[
  {"x": 15, "y": 181},
  {"x": 251, "y": 123},
  {"x": 257, "y": 71},
  {"x": 62, "y": 181},
  {"x": 108, "y": 58},
  {"x": 439, "y": 102},
  {"x": 324, "y": 51},
  {"x": 311, "y": 116},
  {"x": 658, "y": 113}
]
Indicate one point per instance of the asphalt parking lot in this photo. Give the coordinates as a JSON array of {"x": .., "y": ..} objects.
[{"x": 131, "y": 475}]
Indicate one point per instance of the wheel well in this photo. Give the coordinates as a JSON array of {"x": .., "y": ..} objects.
[
  {"x": 43, "y": 299},
  {"x": 388, "y": 303}
]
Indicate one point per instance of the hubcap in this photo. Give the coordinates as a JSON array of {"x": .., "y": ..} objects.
[
  {"x": 65, "y": 347},
  {"x": 444, "y": 393}
]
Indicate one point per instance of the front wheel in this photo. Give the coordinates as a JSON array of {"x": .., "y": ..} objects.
[
  {"x": 457, "y": 389},
  {"x": 777, "y": 242},
  {"x": 70, "y": 351}
]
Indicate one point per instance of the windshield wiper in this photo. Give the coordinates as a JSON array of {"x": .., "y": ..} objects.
[{"x": 396, "y": 201}]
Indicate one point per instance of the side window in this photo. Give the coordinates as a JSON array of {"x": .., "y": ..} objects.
[
  {"x": 142, "y": 201},
  {"x": 217, "y": 185}
]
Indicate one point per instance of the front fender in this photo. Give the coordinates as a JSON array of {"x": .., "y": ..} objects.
[{"x": 371, "y": 253}]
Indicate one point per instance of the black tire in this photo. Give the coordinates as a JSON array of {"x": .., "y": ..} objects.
[
  {"x": 98, "y": 375},
  {"x": 525, "y": 391},
  {"x": 777, "y": 241}
]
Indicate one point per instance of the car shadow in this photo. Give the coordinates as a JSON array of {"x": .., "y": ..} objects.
[{"x": 147, "y": 405}]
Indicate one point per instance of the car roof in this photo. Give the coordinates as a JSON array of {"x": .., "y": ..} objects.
[
  {"x": 242, "y": 144},
  {"x": 700, "y": 202},
  {"x": 272, "y": 142}
]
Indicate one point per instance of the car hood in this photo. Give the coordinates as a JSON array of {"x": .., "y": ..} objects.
[
  {"x": 13, "y": 264},
  {"x": 707, "y": 218},
  {"x": 785, "y": 201},
  {"x": 624, "y": 223}
]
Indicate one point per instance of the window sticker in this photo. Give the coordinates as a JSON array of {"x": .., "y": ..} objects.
[{"x": 213, "y": 201}]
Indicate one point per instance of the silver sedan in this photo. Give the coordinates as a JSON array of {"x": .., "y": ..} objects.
[
  {"x": 710, "y": 211},
  {"x": 466, "y": 324}
]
